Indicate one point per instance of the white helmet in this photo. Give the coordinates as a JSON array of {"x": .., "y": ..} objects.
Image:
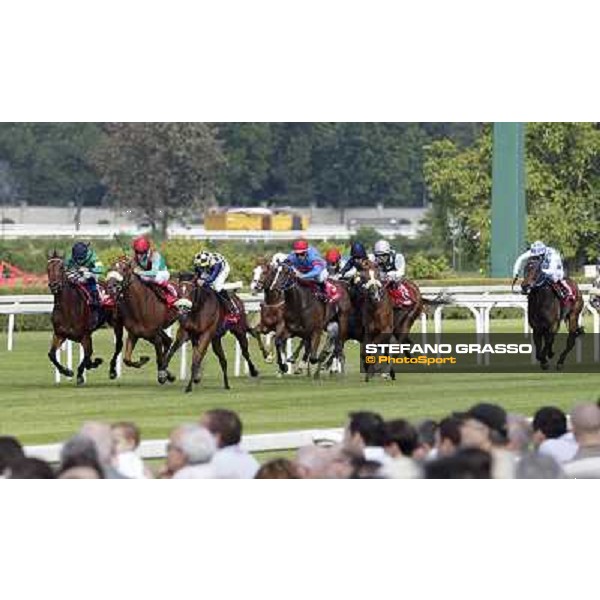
[
  {"x": 202, "y": 259},
  {"x": 538, "y": 248},
  {"x": 382, "y": 247}
]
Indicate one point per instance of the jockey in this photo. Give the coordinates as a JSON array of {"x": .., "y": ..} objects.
[
  {"x": 309, "y": 265},
  {"x": 151, "y": 267},
  {"x": 552, "y": 267},
  {"x": 335, "y": 263},
  {"x": 358, "y": 254},
  {"x": 83, "y": 266},
  {"x": 213, "y": 269},
  {"x": 390, "y": 262}
]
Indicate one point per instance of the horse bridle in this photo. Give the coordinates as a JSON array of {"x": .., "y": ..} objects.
[{"x": 55, "y": 286}]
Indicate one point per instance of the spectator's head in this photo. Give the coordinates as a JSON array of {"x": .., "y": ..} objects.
[
  {"x": 126, "y": 436},
  {"x": 426, "y": 431},
  {"x": 82, "y": 472},
  {"x": 101, "y": 435},
  {"x": 225, "y": 425},
  {"x": 280, "y": 468},
  {"x": 448, "y": 436},
  {"x": 519, "y": 433},
  {"x": 367, "y": 469},
  {"x": 311, "y": 461},
  {"x": 10, "y": 451},
  {"x": 465, "y": 463},
  {"x": 30, "y": 468},
  {"x": 549, "y": 422},
  {"x": 189, "y": 444},
  {"x": 401, "y": 438},
  {"x": 484, "y": 427},
  {"x": 365, "y": 429},
  {"x": 538, "y": 466},
  {"x": 585, "y": 423},
  {"x": 79, "y": 451},
  {"x": 342, "y": 461}
]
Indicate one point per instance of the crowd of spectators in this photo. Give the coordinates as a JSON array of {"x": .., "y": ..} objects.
[{"x": 481, "y": 443}]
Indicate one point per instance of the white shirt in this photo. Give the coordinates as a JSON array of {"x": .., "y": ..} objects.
[
  {"x": 562, "y": 449},
  {"x": 131, "y": 465},
  {"x": 202, "y": 471},
  {"x": 378, "y": 454},
  {"x": 232, "y": 462}
]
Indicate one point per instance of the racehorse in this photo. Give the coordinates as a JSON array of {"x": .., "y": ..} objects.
[
  {"x": 144, "y": 314},
  {"x": 73, "y": 319},
  {"x": 545, "y": 313},
  {"x": 377, "y": 315},
  {"x": 207, "y": 323},
  {"x": 300, "y": 313}
]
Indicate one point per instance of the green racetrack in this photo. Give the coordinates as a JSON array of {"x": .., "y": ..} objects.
[{"x": 36, "y": 410}]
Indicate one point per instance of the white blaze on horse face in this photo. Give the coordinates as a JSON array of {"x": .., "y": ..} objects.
[
  {"x": 256, "y": 275},
  {"x": 277, "y": 273}
]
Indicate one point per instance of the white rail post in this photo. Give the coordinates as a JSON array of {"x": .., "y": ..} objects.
[
  {"x": 56, "y": 371},
  {"x": 11, "y": 330},
  {"x": 578, "y": 343},
  {"x": 246, "y": 367},
  {"x": 81, "y": 357},
  {"x": 183, "y": 362},
  {"x": 238, "y": 359},
  {"x": 424, "y": 327},
  {"x": 70, "y": 354}
]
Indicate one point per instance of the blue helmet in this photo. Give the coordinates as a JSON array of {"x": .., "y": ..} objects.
[
  {"x": 538, "y": 248},
  {"x": 79, "y": 251},
  {"x": 357, "y": 250}
]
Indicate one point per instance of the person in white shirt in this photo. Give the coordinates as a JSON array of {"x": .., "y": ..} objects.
[
  {"x": 366, "y": 432},
  {"x": 189, "y": 453},
  {"x": 550, "y": 435},
  {"x": 230, "y": 461},
  {"x": 127, "y": 461}
]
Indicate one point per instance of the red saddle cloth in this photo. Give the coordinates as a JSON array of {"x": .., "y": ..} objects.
[
  {"x": 332, "y": 293},
  {"x": 165, "y": 291},
  {"x": 401, "y": 295},
  {"x": 560, "y": 288}
]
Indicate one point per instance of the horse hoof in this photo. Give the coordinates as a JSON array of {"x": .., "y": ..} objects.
[
  {"x": 112, "y": 375},
  {"x": 560, "y": 366},
  {"x": 284, "y": 368},
  {"x": 253, "y": 372},
  {"x": 188, "y": 389},
  {"x": 170, "y": 377},
  {"x": 197, "y": 381},
  {"x": 545, "y": 366},
  {"x": 143, "y": 360},
  {"x": 68, "y": 373},
  {"x": 80, "y": 380}
]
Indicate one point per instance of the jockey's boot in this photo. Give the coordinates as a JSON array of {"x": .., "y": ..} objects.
[
  {"x": 322, "y": 286},
  {"x": 229, "y": 305}
]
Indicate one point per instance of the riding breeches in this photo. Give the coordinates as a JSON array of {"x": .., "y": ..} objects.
[
  {"x": 555, "y": 273},
  {"x": 160, "y": 277},
  {"x": 320, "y": 278},
  {"x": 221, "y": 278}
]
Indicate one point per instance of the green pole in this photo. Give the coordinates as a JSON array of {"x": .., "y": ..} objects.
[{"x": 509, "y": 218}]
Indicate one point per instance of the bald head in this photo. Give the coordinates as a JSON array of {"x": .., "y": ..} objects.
[
  {"x": 585, "y": 422},
  {"x": 312, "y": 461}
]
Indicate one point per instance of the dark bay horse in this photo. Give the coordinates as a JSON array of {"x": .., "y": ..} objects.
[
  {"x": 143, "y": 313},
  {"x": 298, "y": 313},
  {"x": 545, "y": 314},
  {"x": 207, "y": 323},
  {"x": 72, "y": 319}
]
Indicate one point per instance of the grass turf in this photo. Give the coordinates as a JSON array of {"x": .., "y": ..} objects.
[{"x": 36, "y": 410}]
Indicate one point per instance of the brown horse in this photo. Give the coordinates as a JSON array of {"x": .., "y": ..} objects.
[
  {"x": 545, "y": 314},
  {"x": 144, "y": 315},
  {"x": 206, "y": 323},
  {"x": 377, "y": 315},
  {"x": 72, "y": 319}
]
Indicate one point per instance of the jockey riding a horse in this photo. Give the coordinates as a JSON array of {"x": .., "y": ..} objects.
[
  {"x": 212, "y": 270},
  {"x": 392, "y": 267},
  {"x": 335, "y": 263},
  {"x": 356, "y": 262},
  {"x": 150, "y": 267},
  {"x": 552, "y": 268},
  {"x": 310, "y": 267},
  {"x": 83, "y": 267}
]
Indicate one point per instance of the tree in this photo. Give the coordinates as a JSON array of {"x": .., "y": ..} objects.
[
  {"x": 563, "y": 172},
  {"x": 164, "y": 171}
]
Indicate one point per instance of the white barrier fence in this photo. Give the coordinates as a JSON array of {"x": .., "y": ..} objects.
[
  {"x": 479, "y": 300},
  {"x": 261, "y": 442}
]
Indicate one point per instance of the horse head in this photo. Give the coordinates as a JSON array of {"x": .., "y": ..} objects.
[
  {"x": 371, "y": 285},
  {"x": 119, "y": 277},
  {"x": 56, "y": 271},
  {"x": 259, "y": 276},
  {"x": 280, "y": 278},
  {"x": 533, "y": 276},
  {"x": 187, "y": 286}
]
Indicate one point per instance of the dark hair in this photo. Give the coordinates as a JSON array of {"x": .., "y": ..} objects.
[
  {"x": 227, "y": 424},
  {"x": 366, "y": 469},
  {"x": 467, "y": 463},
  {"x": 79, "y": 451},
  {"x": 31, "y": 468},
  {"x": 403, "y": 434},
  {"x": 369, "y": 425},
  {"x": 551, "y": 421},
  {"x": 449, "y": 429},
  {"x": 10, "y": 450},
  {"x": 280, "y": 468},
  {"x": 426, "y": 431}
]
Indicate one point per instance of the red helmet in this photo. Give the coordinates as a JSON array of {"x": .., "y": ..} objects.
[
  {"x": 333, "y": 255},
  {"x": 141, "y": 245},
  {"x": 300, "y": 246}
]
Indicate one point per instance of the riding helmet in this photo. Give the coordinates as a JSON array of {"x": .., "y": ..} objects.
[
  {"x": 382, "y": 247},
  {"x": 141, "y": 245},
  {"x": 333, "y": 255},
  {"x": 202, "y": 259},
  {"x": 357, "y": 250},
  {"x": 80, "y": 251},
  {"x": 538, "y": 248},
  {"x": 300, "y": 246}
]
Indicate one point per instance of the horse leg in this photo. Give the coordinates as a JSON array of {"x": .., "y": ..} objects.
[
  {"x": 157, "y": 342},
  {"x": 112, "y": 373},
  {"x": 86, "y": 361},
  {"x": 180, "y": 338},
  {"x": 252, "y": 331},
  {"x": 166, "y": 343},
  {"x": 280, "y": 350},
  {"x": 242, "y": 339},
  {"x": 129, "y": 348},
  {"x": 217, "y": 347},
  {"x": 574, "y": 332},
  {"x": 57, "y": 342},
  {"x": 200, "y": 347},
  {"x": 538, "y": 341}
]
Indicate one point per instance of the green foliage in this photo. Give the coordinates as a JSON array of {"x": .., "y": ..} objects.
[
  {"x": 422, "y": 267},
  {"x": 563, "y": 168}
]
